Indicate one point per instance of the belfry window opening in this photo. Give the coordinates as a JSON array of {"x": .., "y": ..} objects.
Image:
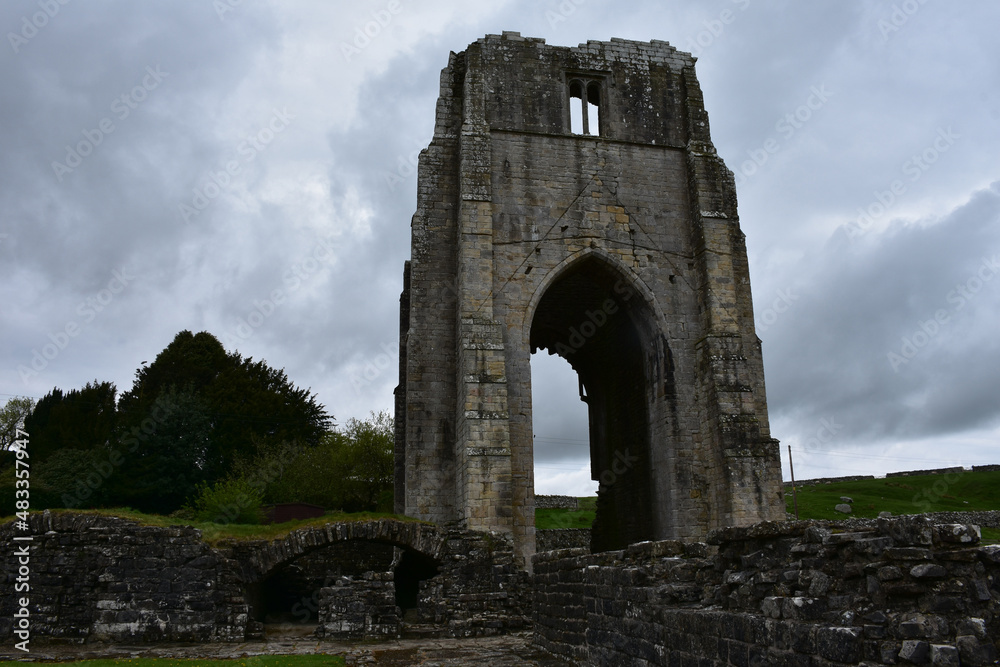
[{"x": 585, "y": 107}]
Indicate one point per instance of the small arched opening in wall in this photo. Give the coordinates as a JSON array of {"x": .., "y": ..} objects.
[
  {"x": 593, "y": 316},
  {"x": 289, "y": 595},
  {"x": 584, "y": 106},
  {"x": 412, "y": 568}
]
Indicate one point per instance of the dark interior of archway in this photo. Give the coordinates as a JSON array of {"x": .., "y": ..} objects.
[
  {"x": 290, "y": 594},
  {"x": 589, "y": 316},
  {"x": 413, "y": 568}
]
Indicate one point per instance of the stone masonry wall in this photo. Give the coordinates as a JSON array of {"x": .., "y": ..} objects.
[
  {"x": 557, "y": 502},
  {"x": 102, "y": 578},
  {"x": 891, "y": 591},
  {"x": 526, "y": 232},
  {"x": 480, "y": 590},
  {"x": 97, "y": 578},
  {"x": 563, "y": 538},
  {"x": 359, "y": 608}
]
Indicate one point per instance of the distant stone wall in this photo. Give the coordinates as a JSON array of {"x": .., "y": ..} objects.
[
  {"x": 557, "y": 538},
  {"x": 557, "y": 502},
  {"x": 891, "y": 591},
  {"x": 984, "y": 519},
  {"x": 830, "y": 480},
  {"x": 920, "y": 473},
  {"x": 905, "y": 473}
]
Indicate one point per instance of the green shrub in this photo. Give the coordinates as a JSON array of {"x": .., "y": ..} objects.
[{"x": 228, "y": 501}]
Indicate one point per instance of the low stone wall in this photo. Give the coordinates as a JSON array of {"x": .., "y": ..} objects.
[
  {"x": 905, "y": 473},
  {"x": 98, "y": 578},
  {"x": 891, "y": 591},
  {"x": 829, "y": 480},
  {"x": 479, "y": 591},
  {"x": 557, "y": 502},
  {"x": 359, "y": 608},
  {"x": 984, "y": 519},
  {"x": 559, "y": 538},
  {"x": 920, "y": 473}
]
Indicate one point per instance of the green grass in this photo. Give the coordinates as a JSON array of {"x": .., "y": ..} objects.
[
  {"x": 560, "y": 518},
  {"x": 254, "y": 661},
  {"x": 962, "y": 492},
  {"x": 900, "y": 495},
  {"x": 213, "y": 533}
]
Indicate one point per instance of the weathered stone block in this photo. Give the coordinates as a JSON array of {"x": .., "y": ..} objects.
[{"x": 915, "y": 651}]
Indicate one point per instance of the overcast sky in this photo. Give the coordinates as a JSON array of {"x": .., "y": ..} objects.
[{"x": 246, "y": 168}]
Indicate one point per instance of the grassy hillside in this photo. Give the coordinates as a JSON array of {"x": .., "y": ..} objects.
[
  {"x": 900, "y": 495},
  {"x": 559, "y": 518},
  {"x": 962, "y": 492}
]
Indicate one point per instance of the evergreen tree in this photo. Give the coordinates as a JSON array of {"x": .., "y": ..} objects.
[
  {"x": 198, "y": 401},
  {"x": 79, "y": 419}
]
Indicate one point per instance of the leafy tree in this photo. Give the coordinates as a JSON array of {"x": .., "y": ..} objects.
[
  {"x": 243, "y": 400},
  {"x": 370, "y": 461},
  {"x": 72, "y": 478},
  {"x": 79, "y": 419},
  {"x": 67, "y": 434},
  {"x": 12, "y": 416},
  {"x": 350, "y": 470}
]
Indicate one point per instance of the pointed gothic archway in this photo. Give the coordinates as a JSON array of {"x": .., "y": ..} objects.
[{"x": 595, "y": 319}]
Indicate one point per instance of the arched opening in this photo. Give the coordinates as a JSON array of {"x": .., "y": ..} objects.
[
  {"x": 560, "y": 429},
  {"x": 413, "y": 568},
  {"x": 289, "y": 595},
  {"x": 592, "y": 317}
]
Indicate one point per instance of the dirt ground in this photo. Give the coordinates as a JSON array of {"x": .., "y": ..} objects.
[{"x": 503, "y": 651}]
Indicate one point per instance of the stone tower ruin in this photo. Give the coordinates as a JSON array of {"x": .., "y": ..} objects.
[{"x": 572, "y": 201}]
